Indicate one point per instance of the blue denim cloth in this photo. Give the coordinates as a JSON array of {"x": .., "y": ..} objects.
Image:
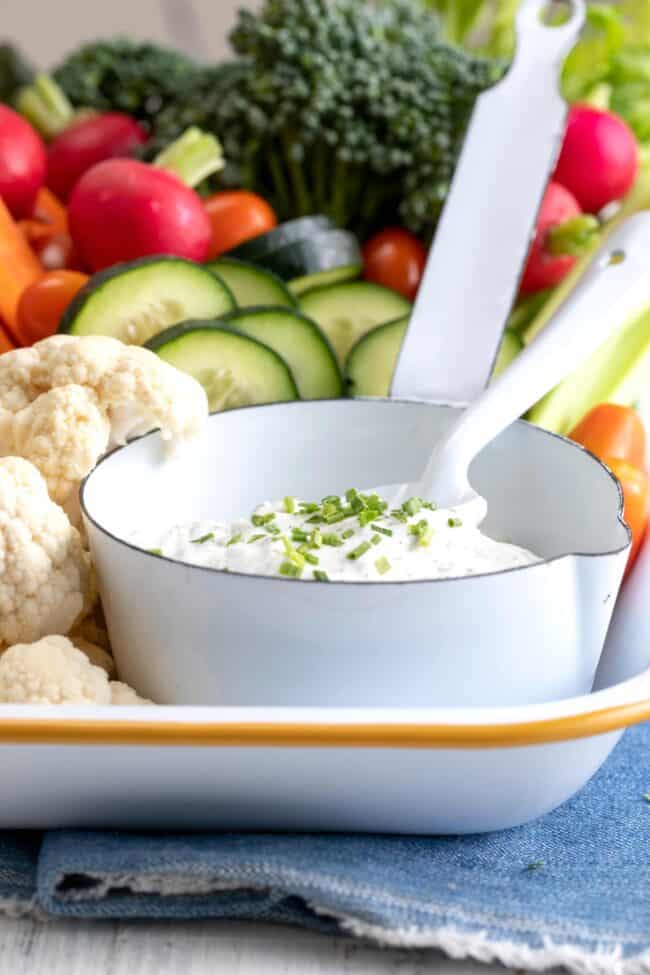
[{"x": 560, "y": 890}]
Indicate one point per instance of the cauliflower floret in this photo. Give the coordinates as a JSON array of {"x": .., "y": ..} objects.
[
  {"x": 51, "y": 671},
  {"x": 125, "y": 696},
  {"x": 64, "y": 400},
  {"x": 54, "y": 671},
  {"x": 46, "y": 581},
  {"x": 62, "y": 433}
]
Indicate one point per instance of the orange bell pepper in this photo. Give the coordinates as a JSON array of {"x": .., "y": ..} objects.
[{"x": 613, "y": 431}]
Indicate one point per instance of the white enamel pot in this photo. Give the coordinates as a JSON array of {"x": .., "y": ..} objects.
[
  {"x": 182, "y": 634},
  {"x": 188, "y": 635}
]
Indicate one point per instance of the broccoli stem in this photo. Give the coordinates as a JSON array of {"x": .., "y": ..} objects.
[
  {"x": 297, "y": 176},
  {"x": 45, "y": 105},
  {"x": 192, "y": 157},
  {"x": 337, "y": 207},
  {"x": 281, "y": 191},
  {"x": 319, "y": 176}
]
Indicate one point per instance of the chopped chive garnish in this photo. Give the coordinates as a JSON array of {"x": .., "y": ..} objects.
[
  {"x": 398, "y": 515},
  {"x": 348, "y": 533},
  {"x": 382, "y": 565},
  {"x": 429, "y": 505},
  {"x": 332, "y": 499},
  {"x": 309, "y": 557},
  {"x": 315, "y": 520},
  {"x": 412, "y": 506},
  {"x": 423, "y": 531},
  {"x": 298, "y": 535},
  {"x": 321, "y": 576},
  {"x": 454, "y": 522},
  {"x": 289, "y": 504},
  {"x": 235, "y": 538},
  {"x": 155, "y": 551},
  {"x": 334, "y": 540},
  {"x": 381, "y": 529},
  {"x": 375, "y": 539},
  {"x": 360, "y": 550},
  {"x": 316, "y": 539},
  {"x": 255, "y": 538},
  {"x": 202, "y": 539},
  {"x": 272, "y": 529},
  {"x": 308, "y": 507},
  {"x": 259, "y": 520},
  {"x": 289, "y": 569},
  {"x": 332, "y": 519},
  {"x": 293, "y": 554},
  {"x": 368, "y": 515},
  {"x": 351, "y": 494}
]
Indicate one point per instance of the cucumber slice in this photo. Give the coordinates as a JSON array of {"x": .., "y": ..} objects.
[
  {"x": 287, "y": 233},
  {"x": 251, "y": 285},
  {"x": 300, "y": 342},
  {"x": 233, "y": 369},
  {"x": 329, "y": 250},
  {"x": 134, "y": 301},
  {"x": 337, "y": 275},
  {"x": 370, "y": 365},
  {"x": 345, "y": 312},
  {"x": 511, "y": 346}
]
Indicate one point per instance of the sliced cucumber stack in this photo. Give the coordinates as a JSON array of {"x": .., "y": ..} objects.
[
  {"x": 301, "y": 344},
  {"x": 257, "y": 248},
  {"x": 370, "y": 365},
  {"x": 134, "y": 301},
  {"x": 234, "y": 370},
  {"x": 348, "y": 272},
  {"x": 346, "y": 312},
  {"x": 328, "y": 252},
  {"x": 250, "y": 284}
]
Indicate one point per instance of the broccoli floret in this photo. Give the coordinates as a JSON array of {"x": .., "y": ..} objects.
[
  {"x": 346, "y": 108},
  {"x": 126, "y": 76}
]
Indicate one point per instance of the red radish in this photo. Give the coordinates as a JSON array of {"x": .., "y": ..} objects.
[
  {"x": 22, "y": 163},
  {"x": 543, "y": 268},
  {"x": 86, "y": 142},
  {"x": 599, "y": 159},
  {"x": 122, "y": 209}
]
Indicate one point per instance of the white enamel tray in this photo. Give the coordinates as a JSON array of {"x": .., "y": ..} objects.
[{"x": 424, "y": 771}]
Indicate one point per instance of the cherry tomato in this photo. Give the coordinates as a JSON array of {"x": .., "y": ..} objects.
[
  {"x": 236, "y": 216},
  {"x": 613, "y": 431},
  {"x": 636, "y": 494},
  {"x": 42, "y": 304},
  {"x": 396, "y": 259}
]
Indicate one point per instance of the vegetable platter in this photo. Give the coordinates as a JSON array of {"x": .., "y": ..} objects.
[{"x": 178, "y": 239}]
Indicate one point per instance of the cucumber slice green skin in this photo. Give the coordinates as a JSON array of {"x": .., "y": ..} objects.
[
  {"x": 250, "y": 284},
  {"x": 349, "y": 272},
  {"x": 234, "y": 370},
  {"x": 328, "y": 250},
  {"x": 134, "y": 301},
  {"x": 287, "y": 233},
  {"x": 346, "y": 312},
  {"x": 371, "y": 362},
  {"x": 511, "y": 346},
  {"x": 298, "y": 341}
]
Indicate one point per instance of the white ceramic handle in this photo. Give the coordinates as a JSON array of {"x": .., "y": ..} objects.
[
  {"x": 615, "y": 286},
  {"x": 475, "y": 263}
]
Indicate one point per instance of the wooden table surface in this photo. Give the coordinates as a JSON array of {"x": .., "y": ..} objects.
[{"x": 202, "y": 948}]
